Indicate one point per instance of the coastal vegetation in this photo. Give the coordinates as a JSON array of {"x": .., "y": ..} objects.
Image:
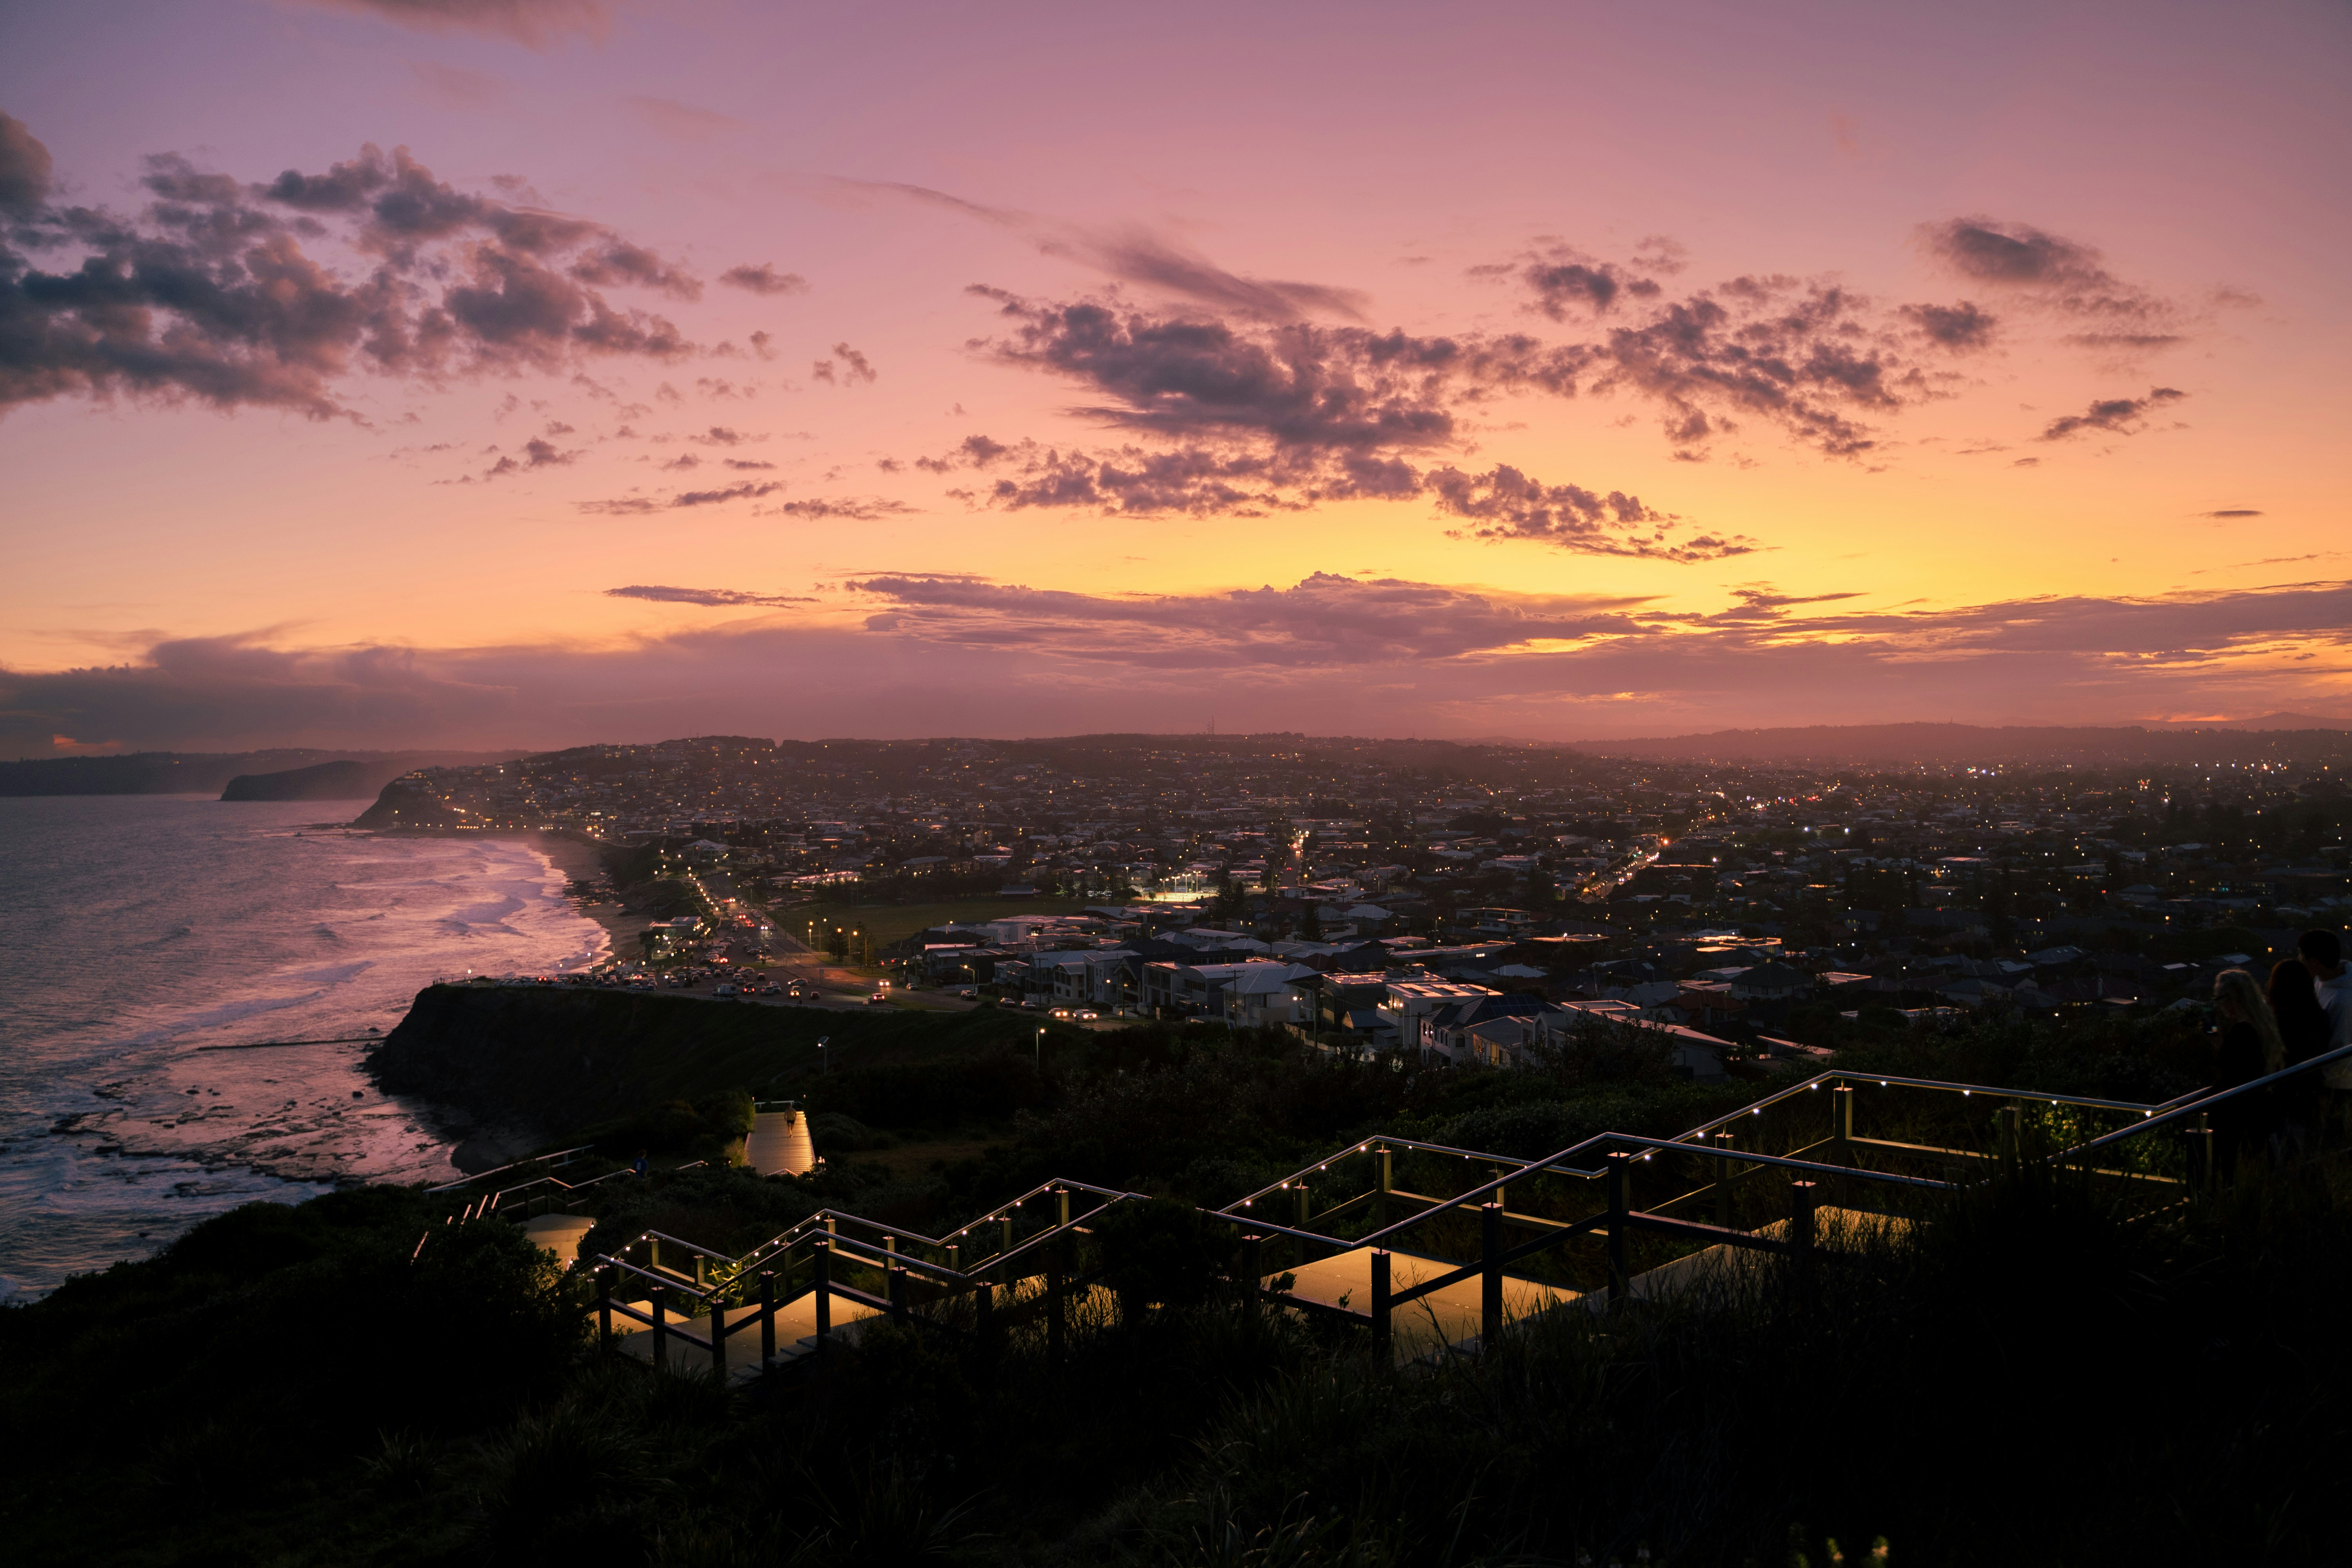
[{"x": 2035, "y": 1374}]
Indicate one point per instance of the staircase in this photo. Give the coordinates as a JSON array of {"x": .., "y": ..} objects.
[{"x": 1825, "y": 1166}]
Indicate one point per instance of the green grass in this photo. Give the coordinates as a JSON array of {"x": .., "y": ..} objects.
[{"x": 888, "y": 923}]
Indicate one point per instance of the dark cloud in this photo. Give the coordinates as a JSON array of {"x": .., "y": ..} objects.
[
  {"x": 619, "y": 262},
  {"x": 24, "y": 168},
  {"x": 713, "y": 597},
  {"x": 763, "y": 280},
  {"x": 536, "y": 454},
  {"x": 1137, "y": 255},
  {"x": 1961, "y": 327},
  {"x": 1323, "y": 620},
  {"x": 855, "y": 367},
  {"x": 2117, "y": 415},
  {"x": 2050, "y": 272},
  {"x": 212, "y": 292},
  {"x": 1506, "y": 504},
  {"x": 871, "y": 509},
  {"x": 1565, "y": 282},
  {"x": 2232, "y": 512},
  {"x": 638, "y": 505},
  {"x": 1241, "y": 481},
  {"x": 537, "y": 23},
  {"x": 1297, "y": 384}
]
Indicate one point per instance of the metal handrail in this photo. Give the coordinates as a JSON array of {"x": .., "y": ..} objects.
[
  {"x": 1552, "y": 1162},
  {"x": 2166, "y": 1117},
  {"x": 1365, "y": 1147},
  {"x": 1831, "y": 1079},
  {"x": 513, "y": 1165}
]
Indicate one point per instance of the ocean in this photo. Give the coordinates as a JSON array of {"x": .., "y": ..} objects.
[{"x": 139, "y": 930}]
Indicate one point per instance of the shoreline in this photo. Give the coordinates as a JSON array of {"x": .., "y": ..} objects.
[{"x": 581, "y": 859}]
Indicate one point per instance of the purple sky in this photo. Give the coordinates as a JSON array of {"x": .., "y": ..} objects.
[{"x": 407, "y": 372}]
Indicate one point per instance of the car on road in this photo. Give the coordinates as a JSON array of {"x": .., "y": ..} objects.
[
  {"x": 880, "y": 999},
  {"x": 1086, "y": 1014},
  {"x": 1062, "y": 1013},
  {"x": 968, "y": 992}
]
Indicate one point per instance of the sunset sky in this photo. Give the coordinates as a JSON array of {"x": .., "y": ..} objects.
[{"x": 475, "y": 373}]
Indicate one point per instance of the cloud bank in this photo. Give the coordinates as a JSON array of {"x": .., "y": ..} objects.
[
  {"x": 211, "y": 293},
  {"x": 913, "y": 653}
]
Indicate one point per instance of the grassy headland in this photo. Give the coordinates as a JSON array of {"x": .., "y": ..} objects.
[{"x": 2033, "y": 1374}]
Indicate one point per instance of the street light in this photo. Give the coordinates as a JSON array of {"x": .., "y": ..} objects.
[{"x": 1041, "y": 1051}]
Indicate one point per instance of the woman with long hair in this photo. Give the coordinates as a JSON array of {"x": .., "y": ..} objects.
[
  {"x": 2250, "y": 1047},
  {"x": 2303, "y": 1027}
]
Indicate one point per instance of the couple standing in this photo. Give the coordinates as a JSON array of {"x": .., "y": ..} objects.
[{"x": 2304, "y": 1011}]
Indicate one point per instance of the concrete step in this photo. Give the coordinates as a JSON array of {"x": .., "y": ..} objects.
[
  {"x": 559, "y": 1233},
  {"x": 1445, "y": 1317},
  {"x": 689, "y": 1338},
  {"x": 1448, "y": 1321}
]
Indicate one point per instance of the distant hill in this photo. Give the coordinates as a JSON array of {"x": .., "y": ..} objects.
[
  {"x": 322, "y": 781},
  {"x": 1878, "y": 744},
  {"x": 204, "y": 773}
]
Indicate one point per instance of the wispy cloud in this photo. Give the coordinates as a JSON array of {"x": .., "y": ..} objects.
[
  {"x": 2115, "y": 415},
  {"x": 535, "y": 23},
  {"x": 709, "y": 597}
]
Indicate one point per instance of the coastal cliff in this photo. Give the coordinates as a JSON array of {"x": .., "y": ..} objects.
[
  {"x": 324, "y": 781},
  {"x": 553, "y": 1061}
]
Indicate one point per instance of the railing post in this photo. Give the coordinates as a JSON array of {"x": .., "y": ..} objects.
[
  {"x": 1381, "y": 1194},
  {"x": 2203, "y": 1172},
  {"x": 1054, "y": 1328},
  {"x": 1842, "y": 1122},
  {"x": 1004, "y": 1245},
  {"x": 1254, "y": 1271},
  {"x": 1061, "y": 1205},
  {"x": 1617, "y": 1211},
  {"x": 897, "y": 1293},
  {"x": 652, "y": 1256},
  {"x": 657, "y": 1297},
  {"x": 984, "y": 1318},
  {"x": 768, "y": 1318},
  {"x": 1802, "y": 1196},
  {"x": 603, "y": 1308},
  {"x": 821, "y": 1254},
  {"x": 1727, "y": 1172},
  {"x": 1490, "y": 1274},
  {"x": 1306, "y": 1212},
  {"x": 719, "y": 1335},
  {"x": 2007, "y": 1117},
  {"x": 1380, "y": 1305}
]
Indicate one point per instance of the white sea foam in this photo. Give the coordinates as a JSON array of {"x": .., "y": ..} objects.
[{"x": 141, "y": 927}]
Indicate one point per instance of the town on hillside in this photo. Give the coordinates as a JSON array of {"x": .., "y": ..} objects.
[{"x": 1471, "y": 903}]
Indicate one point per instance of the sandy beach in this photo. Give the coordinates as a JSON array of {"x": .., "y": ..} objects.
[{"x": 578, "y": 859}]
